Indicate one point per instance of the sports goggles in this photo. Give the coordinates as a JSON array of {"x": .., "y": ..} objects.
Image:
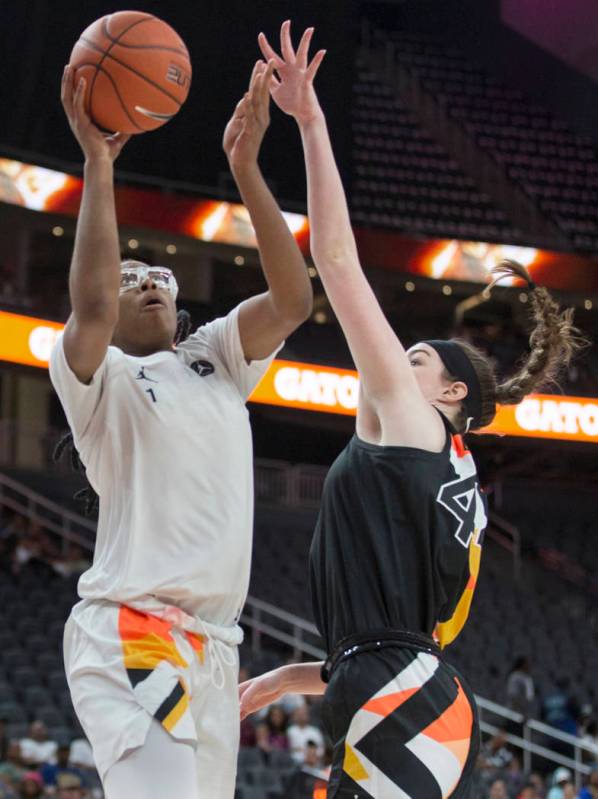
[{"x": 131, "y": 277}]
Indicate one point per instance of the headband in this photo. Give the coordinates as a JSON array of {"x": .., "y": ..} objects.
[{"x": 459, "y": 366}]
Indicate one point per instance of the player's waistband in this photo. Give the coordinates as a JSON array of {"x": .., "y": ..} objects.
[{"x": 375, "y": 640}]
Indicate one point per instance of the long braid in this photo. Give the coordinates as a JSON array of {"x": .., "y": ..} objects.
[
  {"x": 87, "y": 495},
  {"x": 553, "y": 342}
]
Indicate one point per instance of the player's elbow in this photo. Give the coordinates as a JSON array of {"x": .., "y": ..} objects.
[
  {"x": 333, "y": 257},
  {"x": 296, "y": 307},
  {"x": 304, "y": 305}
]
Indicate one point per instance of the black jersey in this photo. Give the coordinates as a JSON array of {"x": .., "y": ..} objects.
[{"x": 398, "y": 541}]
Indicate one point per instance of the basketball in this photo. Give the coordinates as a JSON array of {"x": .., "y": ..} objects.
[{"x": 137, "y": 71}]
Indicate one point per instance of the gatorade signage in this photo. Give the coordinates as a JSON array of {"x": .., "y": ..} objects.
[
  {"x": 549, "y": 416},
  {"x": 310, "y": 387},
  {"x": 291, "y": 384}
]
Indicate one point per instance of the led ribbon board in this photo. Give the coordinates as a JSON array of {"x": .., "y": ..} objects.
[{"x": 210, "y": 220}]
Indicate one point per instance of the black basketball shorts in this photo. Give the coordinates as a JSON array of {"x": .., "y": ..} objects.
[{"x": 403, "y": 724}]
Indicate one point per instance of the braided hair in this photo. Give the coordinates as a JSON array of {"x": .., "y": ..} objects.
[
  {"x": 553, "y": 342},
  {"x": 86, "y": 494}
]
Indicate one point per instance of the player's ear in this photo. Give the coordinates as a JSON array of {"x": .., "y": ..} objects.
[{"x": 455, "y": 391}]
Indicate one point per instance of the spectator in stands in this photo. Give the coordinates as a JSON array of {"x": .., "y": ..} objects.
[
  {"x": 495, "y": 757},
  {"x": 82, "y": 756},
  {"x": 25, "y": 549},
  {"x": 590, "y": 791},
  {"x": 308, "y": 777},
  {"x": 513, "y": 776},
  {"x": 70, "y": 786},
  {"x": 300, "y": 732},
  {"x": 32, "y": 551},
  {"x": 272, "y": 732},
  {"x": 561, "y": 777},
  {"x": 498, "y": 790},
  {"x": 37, "y": 748},
  {"x": 31, "y": 785},
  {"x": 529, "y": 791},
  {"x": 81, "y": 760},
  {"x": 521, "y": 691},
  {"x": 11, "y": 767},
  {"x": 569, "y": 791},
  {"x": 559, "y": 709},
  {"x": 312, "y": 757},
  {"x": 51, "y": 771},
  {"x": 537, "y": 781},
  {"x": 74, "y": 563}
]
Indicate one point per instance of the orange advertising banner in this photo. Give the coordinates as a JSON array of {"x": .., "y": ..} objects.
[
  {"x": 310, "y": 387},
  {"x": 26, "y": 339},
  {"x": 292, "y": 384},
  {"x": 549, "y": 416}
]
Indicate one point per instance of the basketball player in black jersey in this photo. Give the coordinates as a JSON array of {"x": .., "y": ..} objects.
[{"x": 396, "y": 551}]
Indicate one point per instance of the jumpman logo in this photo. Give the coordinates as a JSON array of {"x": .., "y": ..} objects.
[{"x": 143, "y": 376}]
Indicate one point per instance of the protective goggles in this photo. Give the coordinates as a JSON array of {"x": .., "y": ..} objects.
[{"x": 131, "y": 277}]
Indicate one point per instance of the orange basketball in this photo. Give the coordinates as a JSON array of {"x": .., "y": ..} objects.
[{"x": 137, "y": 71}]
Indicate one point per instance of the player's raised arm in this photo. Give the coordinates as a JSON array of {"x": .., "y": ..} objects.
[
  {"x": 94, "y": 278},
  {"x": 267, "y": 319},
  {"x": 386, "y": 375}
]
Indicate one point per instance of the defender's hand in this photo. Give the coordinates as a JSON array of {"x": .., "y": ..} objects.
[
  {"x": 293, "y": 90},
  {"x": 260, "y": 691}
]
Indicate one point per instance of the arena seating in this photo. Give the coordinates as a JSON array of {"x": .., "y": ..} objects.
[
  {"x": 556, "y": 167},
  {"x": 33, "y": 610},
  {"x": 550, "y": 525},
  {"x": 404, "y": 180}
]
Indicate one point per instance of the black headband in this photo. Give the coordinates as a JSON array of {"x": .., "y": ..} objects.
[{"x": 459, "y": 366}]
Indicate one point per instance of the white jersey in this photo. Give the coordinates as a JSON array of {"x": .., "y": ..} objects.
[{"x": 167, "y": 446}]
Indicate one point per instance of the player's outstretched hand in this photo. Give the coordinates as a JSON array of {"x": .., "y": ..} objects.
[
  {"x": 93, "y": 142},
  {"x": 245, "y": 131},
  {"x": 260, "y": 691},
  {"x": 292, "y": 86}
]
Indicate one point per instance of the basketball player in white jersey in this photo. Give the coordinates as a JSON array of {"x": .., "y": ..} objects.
[{"x": 163, "y": 433}]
